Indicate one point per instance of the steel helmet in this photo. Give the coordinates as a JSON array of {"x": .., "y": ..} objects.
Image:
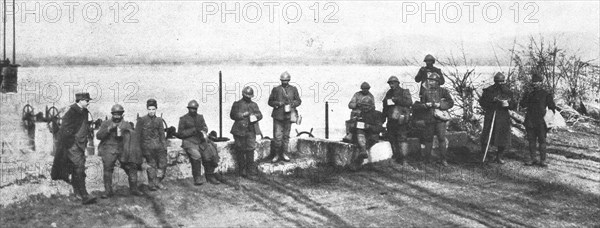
[
  {"x": 193, "y": 104},
  {"x": 285, "y": 76},
  {"x": 117, "y": 108},
  {"x": 365, "y": 85},
  {"x": 429, "y": 57},
  {"x": 248, "y": 92},
  {"x": 499, "y": 77},
  {"x": 393, "y": 79}
]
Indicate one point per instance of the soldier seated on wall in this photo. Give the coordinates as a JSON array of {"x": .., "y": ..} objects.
[{"x": 365, "y": 128}]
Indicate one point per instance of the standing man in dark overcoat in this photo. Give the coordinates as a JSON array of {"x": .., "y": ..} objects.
[
  {"x": 496, "y": 100},
  {"x": 69, "y": 159}
]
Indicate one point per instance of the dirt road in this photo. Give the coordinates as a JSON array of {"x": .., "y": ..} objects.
[{"x": 464, "y": 194}]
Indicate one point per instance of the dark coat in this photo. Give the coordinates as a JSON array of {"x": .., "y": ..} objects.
[
  {"x": 401, "y": 98},
  {"x": 71, "y": 123},
  {"x": 422, "y": 75},
  {"x": 439, "y": 95},
  {"x": 190, "y": 131},
  {"x": 280, "y": 97},
  {"x": 502, "y": 126},
  {"x": 242, "y": 125},
  {"x": 536, "y": 102},
  {"x": 128, "y": 146},
  {"x": 151, "y": 131}
]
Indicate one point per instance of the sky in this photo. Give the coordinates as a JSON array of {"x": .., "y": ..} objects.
[{"x": 176, "y": 28}]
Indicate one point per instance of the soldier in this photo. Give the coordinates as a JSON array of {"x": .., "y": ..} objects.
[
  {"x": 70, "y": 153},
  {"x": 366, "y": 126},
  {"x": 396, "y": 107},
  {"x": 151, "y": 130},
  {"x": 118, "y": 141},
  {"x": 427, "y": 70},
  {"x": 201, "y": 151},
  {"x": 536, "y": 102},
  {"x": 497, "y": 100},
  {"x": 435, "y": 100},
  {"x": 362, "y": 100},
  {"x": 284, "y": 99},
  {"x": 246, "y": 115}
]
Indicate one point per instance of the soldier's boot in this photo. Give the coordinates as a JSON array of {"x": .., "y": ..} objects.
[
  {"x": 79, "y": 180},
  {"x": 75, "y": 186},
  {"x": 362, "y": 144},
  {"x": 443, "y": 147},
  {"x": 499, "y": 155},
  {"x": 210, "y": 173},
  {"x": 241, "y": 162},
  {"x": 152, "y": 178},
  {"x": 426, "y": 152},
  {"x": 220, "y": 178},
  {"x": 160, "y": 176},
  {"x": 198, "y": 177},
  {"x": 348, "y": 137},
  {"x": 108, "y": 190},
  {"x": 133, "y": 181},
  {"x": 543, "y": 155},
  {"x": 283, "y": 152},
  {"x": 276, "y": 154},
  {"x": 251, "y": 168},
  {"x": 404, "y": 153},
  {"x": 284, "y": 156},
  {"x": 532, "y": 160}
]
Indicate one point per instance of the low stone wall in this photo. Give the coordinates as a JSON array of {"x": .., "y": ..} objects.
[{"x": 30, "y": 175}]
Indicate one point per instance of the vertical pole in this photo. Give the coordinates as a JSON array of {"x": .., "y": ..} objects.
[
  {"x": 14, "y": 36},
  {"x": 220, "y": 104},
  {"x": 4, "y": 27},
  {"x": 326, "y": 119}
]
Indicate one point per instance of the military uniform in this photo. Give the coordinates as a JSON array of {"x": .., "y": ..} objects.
[
  {"x": 246, "y": 115},
  {"x": 396, "y": 108},
  {"x": 124, "y": 148},
  {"x": 281, "y": 96},
  {"x": 366, "y": 129},
  {"x": 201, "y": 151},
  {"x": 361, "y": 100},
  {"x": 491, "y": 102},
  {"x": 154, "y": 147},
  {"x": 70, "y": 149},
  {"x": 432, "y": 125},
  {"x": 536, "y": 102},
  {"x": 425, "y": 72}
]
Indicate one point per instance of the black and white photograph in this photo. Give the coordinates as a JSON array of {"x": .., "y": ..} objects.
[{"x": 299, "y": 113}]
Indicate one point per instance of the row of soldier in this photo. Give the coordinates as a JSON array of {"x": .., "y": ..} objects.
[
  {"x": 131, "y": 145},
  {"x": 120, "y": 141},
  {"x": 429, "y": 116}
]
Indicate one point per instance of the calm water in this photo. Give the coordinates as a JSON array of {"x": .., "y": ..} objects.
[{"x": 174, "y": 86}]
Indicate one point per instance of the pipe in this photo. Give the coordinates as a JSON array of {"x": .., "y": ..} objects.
[
  {"x": 220, "y": 104},
  {"x": 326, "y": 119}
]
